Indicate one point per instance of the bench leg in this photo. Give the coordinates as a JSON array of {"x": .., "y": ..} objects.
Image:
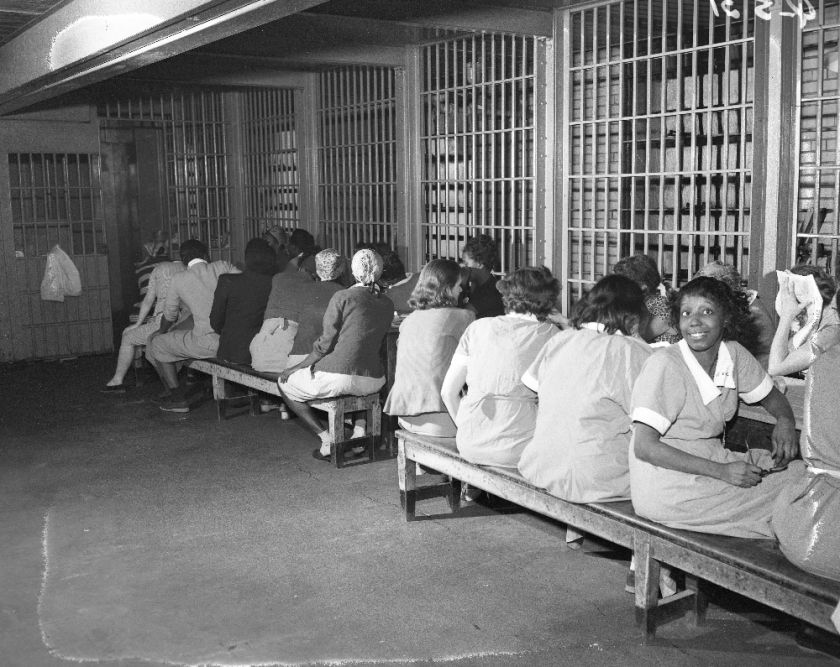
[
  {"x": 407, "y": 479},
  {"x": 219, "y": 395},
  {"x": 647, "y": 585},
  {"x": 701, "y": 602},
  {"x": 453, "y": 494},
  {"x": 374, "y": 425},
  {"x": 254, "y": 398},
  {"x": 335, "y": 425}
]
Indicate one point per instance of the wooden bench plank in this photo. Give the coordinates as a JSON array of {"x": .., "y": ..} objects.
[{"x": 755, "y": 569}]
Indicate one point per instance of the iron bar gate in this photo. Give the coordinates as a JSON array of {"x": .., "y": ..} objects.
[
  {"x": 660, "y": 137},
  {"x": 480, "y": 96},
  {"x": 358, "y": 157},
  {"x": 818, "y": 224}
]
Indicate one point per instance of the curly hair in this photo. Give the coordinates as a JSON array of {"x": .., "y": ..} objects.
[
  {"x": 529, "y": 290},
  {"x": 482, "y": 249},
  {"x": 435, "y": 285},
  {"x": 193, "y": 249},
  {"x": 615, "y": 301},
  {"x": 825, "y": 282},
  {"x": 393, "y": 270},
  {"x": 738, "y": 322},
  {"x": 642, "y": 269}
]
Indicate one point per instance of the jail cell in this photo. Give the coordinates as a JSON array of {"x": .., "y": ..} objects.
[
  {"x": 270, "y": 156},
  {"x": 480, "y": 96},
  {"x": 55, "y": 198},
  {"x": 660, "y": 138},
  {"x": 817, "y": 223},
  {"x": 357, "y": 157},
  {"x": 194, "y": 125}
]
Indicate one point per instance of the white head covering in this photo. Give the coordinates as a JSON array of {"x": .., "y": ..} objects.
[{"x": 366, "y": 267}]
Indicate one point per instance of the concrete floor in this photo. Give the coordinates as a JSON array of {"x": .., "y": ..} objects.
[{"x": 489, "y": 587}]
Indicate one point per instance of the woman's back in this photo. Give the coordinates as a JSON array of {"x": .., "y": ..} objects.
[
  {"x": 496, "y": 417},
  {"x": 354, "y": 325},
  {"x": 579, "y": 449}
]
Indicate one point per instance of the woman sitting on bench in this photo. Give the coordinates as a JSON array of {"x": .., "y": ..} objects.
[
  {"x": 345, "y": 359},
  {"x": 584, "y": 378},
  {"x": 681, "y": 474},
  {"x": 496, "y": 416},
  {"x": 428, "y": 338},
  {"x": 807, "y": 512}
]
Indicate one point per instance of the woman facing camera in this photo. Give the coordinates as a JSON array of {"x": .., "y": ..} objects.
[
  {"x": 681, "y": 475},
  {"x": 428, "y": 338},
  {"x": 584, "y": 379},
  {"x": 496, "y": 416}
]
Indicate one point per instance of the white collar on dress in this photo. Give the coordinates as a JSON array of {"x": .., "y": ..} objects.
[
  {"x": 523, "y": 316},
  {"x": 724, "y": 372},
  {"x": 193, "y": 262},
  {"x": 599, "y": 327}
]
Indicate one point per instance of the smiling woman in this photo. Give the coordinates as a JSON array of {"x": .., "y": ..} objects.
[{"x": 680, "y": 472}]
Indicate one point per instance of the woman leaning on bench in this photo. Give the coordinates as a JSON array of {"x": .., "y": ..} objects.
[{"x": 345, "y": 359}]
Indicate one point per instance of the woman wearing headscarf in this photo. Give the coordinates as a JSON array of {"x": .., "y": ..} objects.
[
  {"x": 296, "y": 298},
  {"x": 345, "y": 358}
]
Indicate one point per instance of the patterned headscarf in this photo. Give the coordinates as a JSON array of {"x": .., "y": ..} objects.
[
  {"x": 328, "y": 264},
  {"x": 366, "y": 267}
]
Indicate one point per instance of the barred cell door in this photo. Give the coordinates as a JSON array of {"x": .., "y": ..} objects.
[{"x": 48, "y": 199}]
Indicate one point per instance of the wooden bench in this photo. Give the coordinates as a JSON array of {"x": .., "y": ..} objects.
[
  {"x": 225, "y": 373},
  {"x": 753, "y": 568}
]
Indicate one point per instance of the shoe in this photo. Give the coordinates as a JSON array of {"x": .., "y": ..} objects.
[
  {"x": 470, "y": 494},
  {"x": 316, "y": 454},
  {"x": 284, "y": 413},
  {"x": 630, "y": 582},
  {"x": 113, "y": 389},
  {"x": 268, "y": 406},
  {"x": 176, "y": 405}
]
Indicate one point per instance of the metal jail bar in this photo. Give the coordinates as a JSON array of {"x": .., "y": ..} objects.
[
  {"x": 479, "y": 99},
  {"x": 270, "y": 155},
  {"x": 357, "y": 147},
  {"x": 54, "y": 200},
  {"x": 660, "y": 109},
  {"x": 817, "y": 222},
  {"x": 195, "y": 142}
]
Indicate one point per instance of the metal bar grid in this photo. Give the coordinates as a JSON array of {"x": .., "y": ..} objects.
[
  {"x": 818, "y": 197},
  {"x": 198, "y": 191},
  {"x": 358, "y": 157},
  {"x": 55, "y": 199},
  {"x": 479, "y": 99},
  {"x": 660, "y": 138},
  {"x": 270, "y": 156}
]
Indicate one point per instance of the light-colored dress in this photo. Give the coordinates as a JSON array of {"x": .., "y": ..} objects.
[
  {"x": 584, "y": 379},
  {"x": 497, "y": 415},
  {"x": 807, "y": 512},
  {"x": 689, "y": 409},
  {"x": 428, "y": 339}
]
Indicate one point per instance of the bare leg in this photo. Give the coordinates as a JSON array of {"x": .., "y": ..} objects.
[
  {"x": 125, "y": 357},
  {"x": 306, "y": 414}
]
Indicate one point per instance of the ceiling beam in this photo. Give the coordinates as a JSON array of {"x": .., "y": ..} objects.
[{"x": 85, "y": 41}]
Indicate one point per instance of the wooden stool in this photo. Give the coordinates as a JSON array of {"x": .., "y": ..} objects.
[{"x": 337, "y": 408}]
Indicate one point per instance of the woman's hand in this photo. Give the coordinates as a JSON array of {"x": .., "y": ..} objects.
[
  {"x": 785, "y": 444},
  {"x": 284, "y": 374},
  {"x": 740, "y": 473},
  {"x": 789, "y": 307}
]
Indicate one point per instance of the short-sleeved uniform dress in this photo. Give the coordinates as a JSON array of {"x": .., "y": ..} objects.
[
  {"x": 584, "y": 379},
  {"x": 689, "y": 409},
  {"x": 497, "y": 415}
]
